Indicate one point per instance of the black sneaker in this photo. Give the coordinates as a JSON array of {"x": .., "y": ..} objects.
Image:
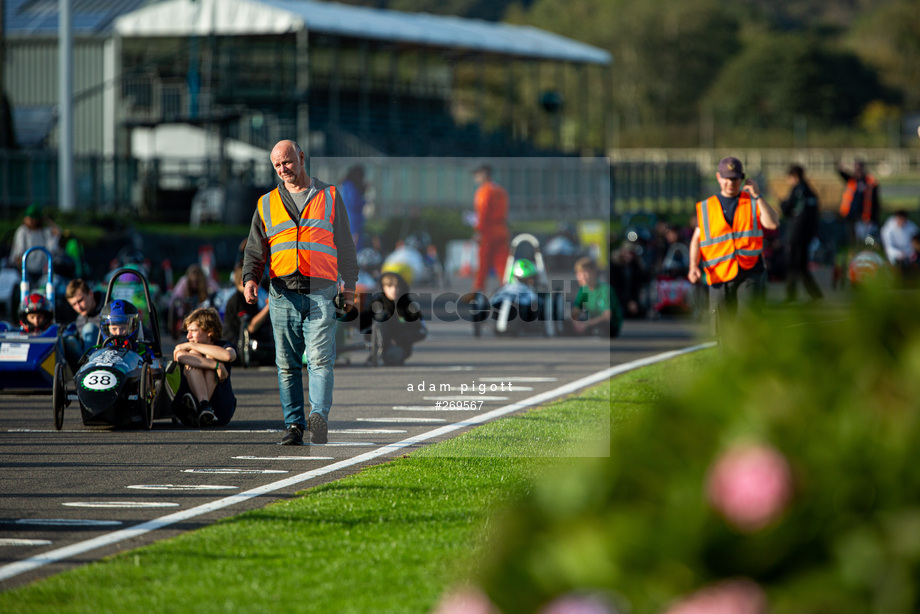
[
  {"x": 317, "y": 426},
  {"x": 206, "y": 415},
  {"x": 190, "y": 417},
  {"x": 294, "y": 436}
]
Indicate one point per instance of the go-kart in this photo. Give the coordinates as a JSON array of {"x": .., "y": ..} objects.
[
  {"x": 518, "y": 308},
  {"x": 28, "y": 361},
  {"x": 116, "y": 385}
]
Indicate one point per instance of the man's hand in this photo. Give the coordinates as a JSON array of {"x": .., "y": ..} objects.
[
  {"x": 694, "y": 274},
  {"x": 349, "y": 295},
  {"x": 750, "y": 186},
  {"x": 251, "y": 292}
]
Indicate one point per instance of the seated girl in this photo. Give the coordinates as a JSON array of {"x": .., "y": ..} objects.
[{"x": 205, "y": 396}]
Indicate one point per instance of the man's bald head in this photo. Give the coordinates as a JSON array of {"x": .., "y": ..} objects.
[{"x": 288, "y": 161}]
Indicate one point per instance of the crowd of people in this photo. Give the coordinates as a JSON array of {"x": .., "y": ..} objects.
[{"x": 298, "y": 271}]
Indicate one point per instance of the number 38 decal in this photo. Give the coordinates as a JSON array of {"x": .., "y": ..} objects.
[{"x": 99, "y": 380}]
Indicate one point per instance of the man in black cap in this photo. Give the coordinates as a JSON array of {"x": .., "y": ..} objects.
[{"x": 727, "y": 244}]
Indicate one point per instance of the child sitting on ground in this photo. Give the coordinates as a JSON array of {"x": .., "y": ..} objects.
[
  {"x": 397, "y": 324},
  {"x": 205, "y": 396},
  {"x": 596, "y": 310}
]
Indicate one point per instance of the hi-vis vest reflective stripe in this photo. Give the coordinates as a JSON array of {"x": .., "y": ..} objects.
[
  {"x": 723, "y": 247},
  {"x": 304, "y": 245},
  {"x": 847, "y": 201}
]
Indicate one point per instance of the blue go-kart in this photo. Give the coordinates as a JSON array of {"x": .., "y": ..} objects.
[
  {"x": 118, "y": 384},
  {"x": 29, "y": 361}
]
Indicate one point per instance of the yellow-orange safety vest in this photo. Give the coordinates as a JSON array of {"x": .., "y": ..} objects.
[
  {"x": 724, "y": 247},
  {"x": 847, "y": 201},
  {"x": 304, "y": 245}
]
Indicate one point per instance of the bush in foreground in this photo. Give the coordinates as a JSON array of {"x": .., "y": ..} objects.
[{"x": 781, "y": 476}]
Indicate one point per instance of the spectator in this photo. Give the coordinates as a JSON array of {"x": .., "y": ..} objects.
[
  {"x": 491, "y": 227},
  {"x": 87, "y": 304},
  {"x": 352, "y": 188},
  {"x": 397, "y": 322},
  {"x": 36, "y": 230},
  {"x": 596, "y": 310},
  {"x": 205, "y": 396},
  {"x": 630, "y": 276},
  {"x": 897, "y": 234},
  {"x": 194, "y": 287},
  {"x": 190, "y": 292},
  {"x": 861, "y": 203},
  {"x": 238, "y": 313},
  {"x": 801, "y": 208}
]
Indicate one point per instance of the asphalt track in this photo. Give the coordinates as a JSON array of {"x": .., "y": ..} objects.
[{"x": 75, "y": 496}]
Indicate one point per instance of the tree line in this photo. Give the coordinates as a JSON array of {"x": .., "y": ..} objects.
[{"x": 691, "y": 73}]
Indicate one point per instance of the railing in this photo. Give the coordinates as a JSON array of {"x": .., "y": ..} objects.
[
  {"x": 901, "y": 163},
  {"x": 103, "y": 185},
  {"x": 550, "y": 188}
]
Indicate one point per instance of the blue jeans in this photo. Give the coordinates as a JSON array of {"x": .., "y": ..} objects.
[{"x": 304, "y": 322}]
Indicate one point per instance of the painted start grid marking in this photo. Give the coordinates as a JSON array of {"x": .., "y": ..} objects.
[{"x": 19, "y": 567}]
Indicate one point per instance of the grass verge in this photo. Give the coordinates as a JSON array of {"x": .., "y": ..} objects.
[{"x": 391, "y": 538}]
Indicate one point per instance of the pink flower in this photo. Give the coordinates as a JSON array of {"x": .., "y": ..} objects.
[
  {"x": 579, "y": 604},
  {"x": 465, "y": 601},
  {"x": 750, "y": 486},
  {"x": 735, "y": 596}
]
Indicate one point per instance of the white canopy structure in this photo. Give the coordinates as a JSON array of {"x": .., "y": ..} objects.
[{"x": 251, "y": 17}]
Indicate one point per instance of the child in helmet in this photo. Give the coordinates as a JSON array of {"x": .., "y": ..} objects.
[
  {"x": 397, "y": 322},
  {"x": 596, "y": 310},
  {"x": 35, "y": 314},
  {"x": 120, "y": 325},
  {"x": 205, "y": 396},
  {"x": 524, "y": 271}
]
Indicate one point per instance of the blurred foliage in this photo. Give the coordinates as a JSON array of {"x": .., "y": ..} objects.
[
  {"x": 889, "y": 40},
  {"x": 441, "y": 225},
  {"x": 834, "y": 392},
  {"x": 782, "y": 77}
]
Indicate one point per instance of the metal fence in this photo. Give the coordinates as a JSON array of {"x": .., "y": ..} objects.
[
  {"x": 103, "y": 185},
  {"x": 548, "y": 188}
]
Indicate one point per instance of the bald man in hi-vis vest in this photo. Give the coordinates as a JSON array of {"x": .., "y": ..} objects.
[{"x": 300, "y": 232}]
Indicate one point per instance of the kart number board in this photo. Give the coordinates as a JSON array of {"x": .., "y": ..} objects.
[
  {"x": 14, "y": 352},
  {"x": 99, "y": 380}
]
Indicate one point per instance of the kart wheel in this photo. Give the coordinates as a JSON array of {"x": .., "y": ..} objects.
[
  {"x": 58, "y": 396},
  {"x": 245, "y": 348},
  {"x": 144, "y": 395}
]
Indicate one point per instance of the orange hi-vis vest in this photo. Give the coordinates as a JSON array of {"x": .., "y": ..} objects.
[
  {"x": 847, "y": 201},
  {"x": 304, "y": 245},
  {"x": 724, "y": 247}
]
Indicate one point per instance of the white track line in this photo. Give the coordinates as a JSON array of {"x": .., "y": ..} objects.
[
  {"x": 515, "y": 378},
  {"x": 53, "y": 556},
  {"x": 119, "y": 504},
  {"x": 7, "y": 541}
]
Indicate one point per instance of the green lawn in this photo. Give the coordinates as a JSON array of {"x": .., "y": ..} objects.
[{"x": 392, "y": 538}]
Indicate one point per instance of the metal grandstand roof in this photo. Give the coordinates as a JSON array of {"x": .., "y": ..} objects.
[
  {"x": 229, "y": 17},
  {"x": 40, "y": 17}
]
